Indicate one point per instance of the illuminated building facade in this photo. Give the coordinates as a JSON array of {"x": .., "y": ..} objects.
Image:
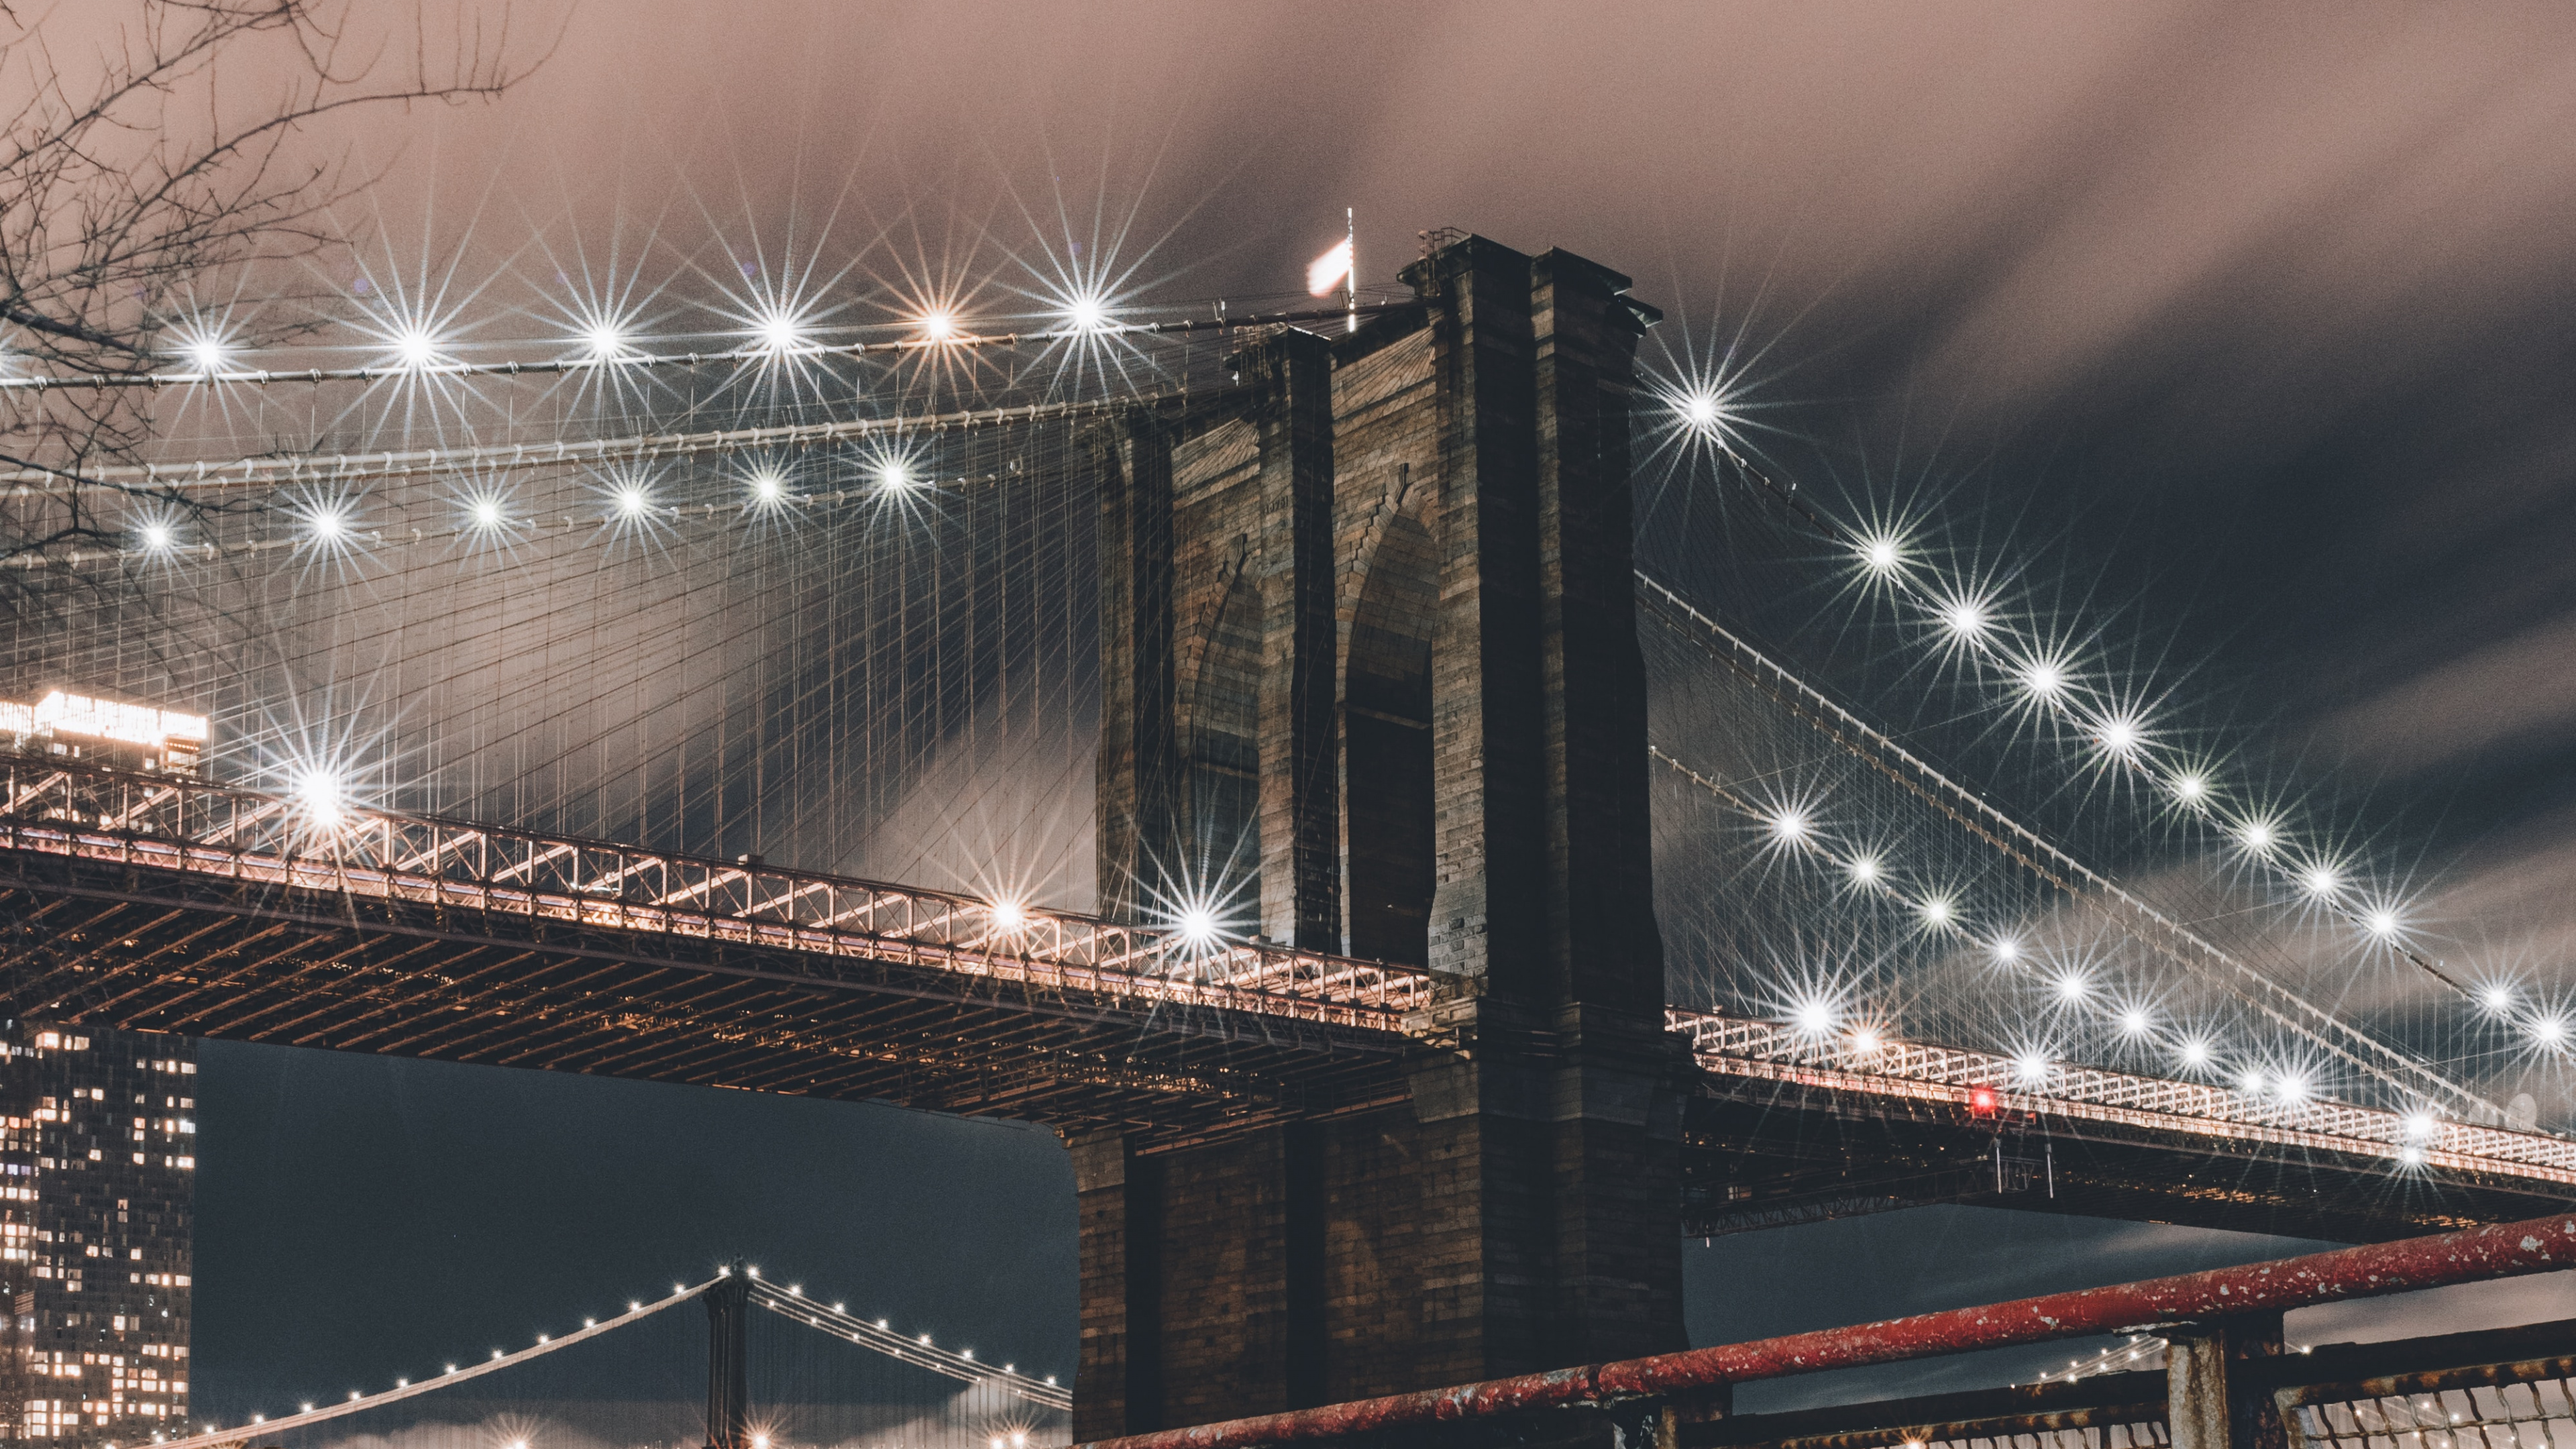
[
  {"x": 97, "y": 1168},
  {"x": 105, "y": 732}
]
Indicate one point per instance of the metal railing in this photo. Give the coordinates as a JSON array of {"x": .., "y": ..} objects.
[
  {"x": 169, "y": 823},
  {"x": 2525, "y": 1404},
  {"x": 1684, "y": 1400},
  {"x": 1848, "y": 1061}
]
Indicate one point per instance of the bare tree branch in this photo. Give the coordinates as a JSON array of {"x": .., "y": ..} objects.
[{"x": 171, "y": 157}]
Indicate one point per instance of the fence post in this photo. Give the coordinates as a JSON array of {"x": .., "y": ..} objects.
[
  {"x": 728, "y": 1381},
  {"x": 2204, "y": 1409}
]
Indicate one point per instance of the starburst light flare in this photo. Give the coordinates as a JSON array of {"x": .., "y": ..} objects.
[
  {"x": 416, "y": 348},
  {"x": 1087, "y": 313},
  {"x": 605, "y": 340},
  {"x": 780, "y": 331},
  {"x": 205, "y": 353},
  {"x": 322, "y": 794},
  {"x": 2119, "y": 736},
  {"x": 2043, "y": 679},
  {"x": 1966, "y": 617},
  {"x": 1813, "y": 1015}
]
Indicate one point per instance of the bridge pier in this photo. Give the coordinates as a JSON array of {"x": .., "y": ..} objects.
[{"x": 1393, "y": 581}]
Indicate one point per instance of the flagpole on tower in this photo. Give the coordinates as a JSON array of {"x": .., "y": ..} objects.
[
  {"x": 1335, "y": 267},
  {"x": 1351, "y": 278}
]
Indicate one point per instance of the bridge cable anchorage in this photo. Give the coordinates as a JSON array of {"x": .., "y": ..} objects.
[
  {"x": 2133, "y": 758},
  {"x": 2169, "y": 938},
  {"x": 447, "y": 1380},
  {"x": 640, "y": 360},
  {"x": 914, "y": 1351}
]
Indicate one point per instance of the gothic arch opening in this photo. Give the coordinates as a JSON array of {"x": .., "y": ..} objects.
[
  {"x": 1221, "y": 763},
  {"x": 1386, "y": 742}
]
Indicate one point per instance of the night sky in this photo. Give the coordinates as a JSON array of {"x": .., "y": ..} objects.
[{"x": 2248, "y": 329}]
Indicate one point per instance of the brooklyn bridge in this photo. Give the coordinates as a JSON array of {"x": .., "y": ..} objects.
[{"x": 1289, "y": 757}]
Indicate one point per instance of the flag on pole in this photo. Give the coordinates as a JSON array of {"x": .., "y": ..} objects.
[{"x": 1326, "y": 272}]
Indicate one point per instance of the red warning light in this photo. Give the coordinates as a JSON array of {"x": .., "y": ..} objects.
[{"x": 1982, "y": 1101}]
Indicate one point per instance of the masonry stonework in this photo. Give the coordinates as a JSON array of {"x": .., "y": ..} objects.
[{"x": 1370, "y": 676}]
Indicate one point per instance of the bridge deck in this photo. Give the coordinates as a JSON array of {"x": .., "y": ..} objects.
[{"x": 160, "y": 903}]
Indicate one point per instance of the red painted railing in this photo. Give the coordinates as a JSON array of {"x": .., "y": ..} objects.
[{"x": 2506, "y": 1250}]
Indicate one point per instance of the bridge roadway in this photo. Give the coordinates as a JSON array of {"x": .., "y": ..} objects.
[{"x": 158, "y": 903}]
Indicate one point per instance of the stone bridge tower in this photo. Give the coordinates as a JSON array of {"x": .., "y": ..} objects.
[{"x": 1370, "y": 670}]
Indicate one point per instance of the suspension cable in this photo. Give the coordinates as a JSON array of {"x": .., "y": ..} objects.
[
  {"x": 918, "y": 1352},
  {"x": 621, "y": 360},
  {"x": 2167, "y": 937},
  {"x": 446, "y": 1380}
]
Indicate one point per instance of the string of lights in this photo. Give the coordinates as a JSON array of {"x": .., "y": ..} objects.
[
  {"x": 1971, "y": 627},
  {"x": 278, "y": 470},
  {"x": 879, "y": 1335},
  {"x": 789, "y": 1302},
  {"x": 358, "y": 1402},
  {"x": 1795, "y": 826},
  {"x": 778, "y": 685},
  {"x": 1818, "y": 1014},
  {"x": 420, "y": 355},
  {"x": 484, "y": 520},
  {"x": 2142, "y": 1351}
]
